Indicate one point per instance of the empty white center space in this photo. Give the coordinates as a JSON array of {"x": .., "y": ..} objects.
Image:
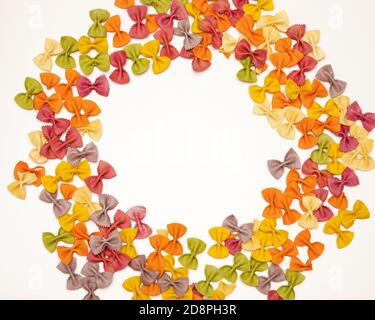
[{"x": 187, "y": 146}]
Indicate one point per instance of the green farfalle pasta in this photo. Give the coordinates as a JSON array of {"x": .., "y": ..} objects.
[
  {"x": 65, "y": 60},
  {"x": 25, "y": 100},
  {"x": 249, "y": 277},
  {"x": 189, "y": 260},
  {"x": 101, "y": 61},
  {"x": 50, "y": 241},
  {"x": 294, "y": 278},
  {"x": 212, "y": 274},
  {"x": 97, "y": 30},
  {"x": 140, "y": 65},
  {"x": 159, "y": 5},
  {"x": 247, "y": 74},
  {"x": 320, "y": 155},
  {"x": 240, "y": 262}
]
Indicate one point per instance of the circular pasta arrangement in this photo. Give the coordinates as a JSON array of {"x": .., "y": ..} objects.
[{"x": 315, "y": 111}]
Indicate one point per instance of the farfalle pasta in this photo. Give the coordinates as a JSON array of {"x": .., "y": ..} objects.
[{"x": 313, "y": 109}]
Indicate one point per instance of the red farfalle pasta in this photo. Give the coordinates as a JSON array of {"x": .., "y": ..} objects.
[
  {"x": 296, "y": 33},
  {"x": 118, "y": 60},
  {"x": 243, "y": 50},
  {"x": 56, "y": 148},
  {"x": 165, "y": 36},
  {"x": 209, "y": 25},
  {"x": 105, "y": 171},
  {"x": 305, "y": 65},
  {"x": 138, "y": 15},
  {"x": 177, "y": 12}
]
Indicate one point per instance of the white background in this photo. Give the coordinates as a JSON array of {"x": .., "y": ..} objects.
[{"x": 184, "y": 145}]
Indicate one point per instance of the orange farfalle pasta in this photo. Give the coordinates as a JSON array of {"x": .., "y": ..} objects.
[
  {"x": 156, "y": 260},
  {"x": 65, "y": 90},
  {"x": 201, "y": 51},
  {"x": 49, "y": 80},
  {"x": 308, "y": 139},
  {"x": 222, "y": 20},
  {"x": 124, "y": 4},
  {"x": 66, "y": 253},
  {"x": 82, "y": 110},
  {"x": 280, "y": 101},
  {"x": 23, "y": 167},
  {"x": 284, "y": 45},
  {"x": 54, "y": 102},
  {"x": 295, "y": 183},
  {"x": 67, "y": 190},
  {"x": 288, "y": 249},
  {"x": 245, "y": 25},
  {"x": 280, "y": 61},
  {"x": 272, "y": 211},
  {"x": 79, "y": 231},
  {"x": 312, "y": 91},
  {"x": 174, "y": 247},
  {"x": 339, "y": 202},
  {"x": 121, "y": 38},
  {"x": 331, "y": 124},
  {"x": 152, "y": 290},
  {"x": 284, "y": 202},
  {"x": 151, "y": 23},
  {"x": 314, "y": 251},
  {"x": 201, "y": 5}
]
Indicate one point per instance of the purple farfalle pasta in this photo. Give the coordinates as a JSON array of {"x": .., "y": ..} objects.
[
  {"x": 103, "y": 279},
  {"x": 74, "y": 280},
  {"x": 275, "y": 274},
  {"x": 60, "y": 206},
  {"x": 244, "y": 232},
  {"x": 291, "y": 161},
  {"x": 89, "y": 152},
  {"x": 101, "y": 217},
  {"x": 148, "y": 276},
  {"x": 99, "y": 244},
  {"x": 180, "y": 285},
  {"x": 336, "y": 87},
  {"x": 191, "y": 40}
]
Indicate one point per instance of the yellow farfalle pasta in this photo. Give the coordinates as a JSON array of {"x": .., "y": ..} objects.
[
  {"x": 274, "y": 116},
  {"x": 219, "y": 250},
  {"x": 308, "y": 219},
  {"x": 37, "y": 139},
  {"x": 128, "y": 236},
  {"x": 312, "y": 37},
  {"x": 258, "y": 94},
  {"x": 292, "y": 116},
  {"x": 279, "y": 21},
  {"x": 83, "y": 197}
]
